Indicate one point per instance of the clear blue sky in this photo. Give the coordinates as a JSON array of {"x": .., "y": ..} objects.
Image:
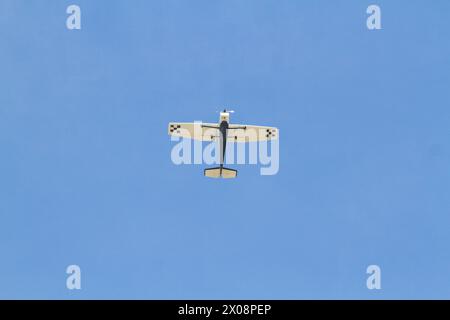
[{"x": 86, "y": 176}]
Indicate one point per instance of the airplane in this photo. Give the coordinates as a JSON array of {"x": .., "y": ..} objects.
[{"x": 221, "y": 132}]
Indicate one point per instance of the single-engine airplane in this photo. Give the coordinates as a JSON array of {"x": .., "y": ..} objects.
[{"x": 221, "y": 133}]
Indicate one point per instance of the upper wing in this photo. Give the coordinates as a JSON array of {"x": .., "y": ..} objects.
[
  {"x": 244, "y": 133},
  {"x": 197, "y": 131}
]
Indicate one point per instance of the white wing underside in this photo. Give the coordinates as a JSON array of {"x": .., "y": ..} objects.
[
  {"x": 210, "y": 132},
  {"x": 251, "y": 133},
  {"x": 196, "y": 131}
]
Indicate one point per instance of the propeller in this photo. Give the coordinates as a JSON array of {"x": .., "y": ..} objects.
[{"x": 225, "y": 110}]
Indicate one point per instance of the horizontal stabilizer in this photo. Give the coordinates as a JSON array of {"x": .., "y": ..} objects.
[{"x": 220, "y": 173}]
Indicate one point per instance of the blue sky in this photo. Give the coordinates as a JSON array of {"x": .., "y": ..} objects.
[{"x": 86, "y": 176}]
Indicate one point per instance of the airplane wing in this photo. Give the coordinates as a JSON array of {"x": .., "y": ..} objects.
[
  {"x": 197, "y": 131},
  {"x": 249, "y": 133}
]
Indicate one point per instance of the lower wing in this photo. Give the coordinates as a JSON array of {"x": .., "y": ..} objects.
[
  {"x": 194, "y": 130},
  {"x": 244, "y": 133}
]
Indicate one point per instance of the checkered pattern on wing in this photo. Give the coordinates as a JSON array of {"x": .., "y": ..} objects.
[
  {"x": 175, "y": 128},
  {"x": 270, "y": 133}
]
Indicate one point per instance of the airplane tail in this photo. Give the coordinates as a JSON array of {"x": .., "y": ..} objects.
[{"x": 220, "y": 172}]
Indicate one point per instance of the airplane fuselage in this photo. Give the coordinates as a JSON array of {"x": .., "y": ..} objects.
[{"x": 223, "y": 128}]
